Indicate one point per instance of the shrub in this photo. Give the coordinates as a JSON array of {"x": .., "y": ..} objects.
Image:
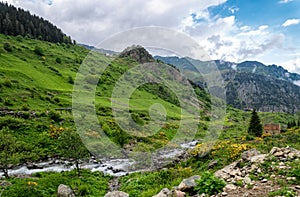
[
  {"x": 7, "y": 47},
  {"x": 25, "y": 107},
  {"x": 209, "y": 184},
  {"x": 54, "y": 116},
  {"x": 39, "y": 51},
  {"x": 70, "y": 80},
  {"x": 58, "y": 60},
  {"x": 7, "y": 82}
]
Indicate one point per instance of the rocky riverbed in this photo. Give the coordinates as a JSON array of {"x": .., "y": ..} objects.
[{"x": 114, "y": 167}]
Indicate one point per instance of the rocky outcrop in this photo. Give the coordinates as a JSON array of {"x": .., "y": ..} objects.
[
  {"x": 64, "y": 191},
  {"x": 251, "y": 160},
  {"x": 188, "y": 183},
  {"x": 116, "y": 194},
  {"x": 237, "y": 175},
  {"x": 137, "y": 53}
]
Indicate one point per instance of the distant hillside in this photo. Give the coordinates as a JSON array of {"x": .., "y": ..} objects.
[
  {"x": 251, "y": 84},
  {"x": 16, "y": 21}
]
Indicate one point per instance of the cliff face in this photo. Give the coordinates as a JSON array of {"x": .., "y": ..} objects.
[
  {"x": 245, "y": 90},
  {"x": 251, "y": 84}
]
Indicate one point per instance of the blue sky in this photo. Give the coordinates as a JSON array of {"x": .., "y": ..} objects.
[{"x": 231, "y": 30}]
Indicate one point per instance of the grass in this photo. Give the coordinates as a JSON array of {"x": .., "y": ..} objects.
[{"x": 37, "y": 85}]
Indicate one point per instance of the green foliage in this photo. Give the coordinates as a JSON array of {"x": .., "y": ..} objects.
[
  {"x": 283, "y": 192},
  {"x": 7, "y": 47},
  {"x": 150, "y": 183},
  {"x": 255, "y": 127},
  {"x": 209, "y": 184},
  {"x": 58, "y": 60},
  {"x": 39, "y": 51},
  {"x": 71, "y": 146},
  {"x": 53, "y": 115},
  {"x": 46, "y": 184},
  {"x": 8, "y": 151}
]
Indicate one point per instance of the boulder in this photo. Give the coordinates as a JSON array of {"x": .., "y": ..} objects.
[
  {"x": 188, "y": 183},
  {"x": 5, "y": 183},
  {"x": 258, "y": 158},
  {"x": 116, "y": 194},
  {"x": 170, "y": 193},
  {"x": 64, "y": 191},
  {"x": 229, "y": 187},
  {"x": 163, "y": 193},
  {"x": 212, "y": 164},
  {"x": 247, "y": 155}
]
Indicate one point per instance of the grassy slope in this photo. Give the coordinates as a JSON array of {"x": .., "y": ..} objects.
[{"x": 41, "y": 84}]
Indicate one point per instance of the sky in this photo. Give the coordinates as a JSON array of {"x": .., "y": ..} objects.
[{"x": 231, "y": 30}]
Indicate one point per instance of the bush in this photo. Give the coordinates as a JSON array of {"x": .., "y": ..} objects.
[
  {"x": 7, "y": 47},
  {"x": 58, "y": 60},
  {"x": 7, "y": 82},
  {"x": 54, "y": 116},
  {"x": 39, "y": 51},
  {"x": 209, "y": 184},
  {"x": 70, "y": 80}
]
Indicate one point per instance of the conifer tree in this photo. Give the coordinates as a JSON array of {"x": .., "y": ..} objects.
[{"x": 255, "y": 127}]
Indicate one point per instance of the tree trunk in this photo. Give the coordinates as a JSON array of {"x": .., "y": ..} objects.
[{"x": 77, "y": 168}]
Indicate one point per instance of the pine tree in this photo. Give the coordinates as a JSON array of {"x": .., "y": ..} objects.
[{"x": 255, "y": 126}]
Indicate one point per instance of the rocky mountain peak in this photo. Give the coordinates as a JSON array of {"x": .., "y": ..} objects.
[{"x": 138, "y": 53}]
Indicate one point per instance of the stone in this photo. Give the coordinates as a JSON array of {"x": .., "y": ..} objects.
[
  {"x": 5, "y": 183},
  {"x": 250, "y": 153},
  {"x": 188, "y": 183},
  {"x": 297, "y": 187},
  {"x": 224, "y": 193},
  {"x": 229, "y": 187},
  {"x": 264, "y": 181},
  {"x": 167, "y": 193},
  {"x": 212, "y": 164},
  {"x": 247, "y": 180},
  {"x": 274, "y": 150},
  {"x": 258, "y": 158},
  {"x": 278, "y": 154},
  {"x": 291, "y": 178},
  {"x": 163, "y": 193},
  {"x": 116, "y": 194},
  {"x": 65, "y": 191}
]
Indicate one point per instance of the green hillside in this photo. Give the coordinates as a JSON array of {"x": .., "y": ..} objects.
[{"x": 37, "y": 80}]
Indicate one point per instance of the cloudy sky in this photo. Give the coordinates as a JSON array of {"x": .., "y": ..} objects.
[{"x": 232, "y": 30}]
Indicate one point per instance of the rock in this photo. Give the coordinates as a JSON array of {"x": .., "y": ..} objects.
[
  {"x": 64, "y": 191},
  {"x": 167, "y": 193},
  {"x": 291, "y": 178},
  {"x": 246, "y": 180},
  {"x": 224, "y": 194},
  {"x": 297, "y": 187},
  {"x": 229, "y": 187},
  {"x": 116, "y": 194},
  {"x": 278, "y": 154},
  {"x": 264, "y": 181},
  {"x": 274, "y": 150},
  {"x": 176, "y": 193},
  {"x": 246, "y": 156},
  {"x": 224, "y": 173},
  {"x": 188, "y": 183},
  {"x": 212, "y": 164},
  {"x": 163, "y": 193},
  {"x": 258, "y": 158},
  {"x": 5, "y": 184}
]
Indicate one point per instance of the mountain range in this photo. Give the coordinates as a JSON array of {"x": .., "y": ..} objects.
[{"x": 250, "y": 84}]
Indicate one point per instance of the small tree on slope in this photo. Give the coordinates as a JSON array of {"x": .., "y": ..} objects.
[{"x": 255, "y": 127}]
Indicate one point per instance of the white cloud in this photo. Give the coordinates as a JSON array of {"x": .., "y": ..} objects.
[
  {"x": 290, "y": 22},
  {"x": 91, "y": 21},
  {"x": 285, "y": 1}
]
